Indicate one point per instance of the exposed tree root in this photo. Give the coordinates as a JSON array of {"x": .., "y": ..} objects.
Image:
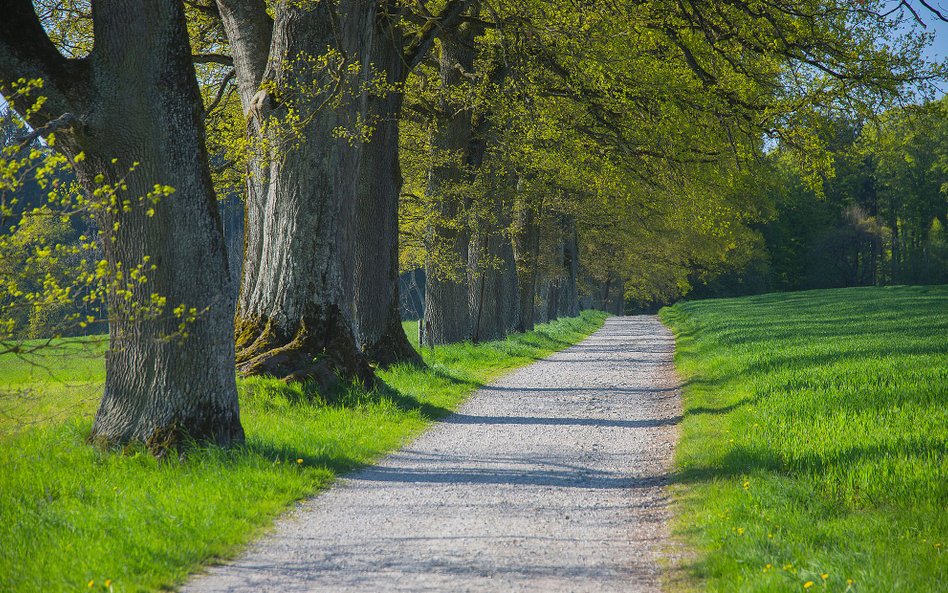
[
  {"x": 393, "y": 346},
  {"x": 321, "y": 348}
]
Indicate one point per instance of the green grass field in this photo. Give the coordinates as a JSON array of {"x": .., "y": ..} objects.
[
  {"x": 814, "y": 451},
  {"x": 73, "y": 518}
]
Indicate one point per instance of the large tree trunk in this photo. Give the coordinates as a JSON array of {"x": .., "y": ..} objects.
[
  {"x": 376, "y": 308},
  {"x": 294, "y": 310},
  {"x": 447, "y": 312},
  {"x": 140, "y": 103}
]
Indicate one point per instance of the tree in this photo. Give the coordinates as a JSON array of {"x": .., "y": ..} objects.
[
  {"x": 447, "y": 316},
  {"x": 301, "y": 81},
  {"x": 129, "y": 118},
  {"x": 399, "y": 49}
]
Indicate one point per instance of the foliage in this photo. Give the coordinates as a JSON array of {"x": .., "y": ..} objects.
[
  {"x": 650, "y": 123},
  {"x": 877, "y": 221},
  {"x": 54, "y": 281},
  {"x": 73, "y": 514},
  {"x": 813, "y": 441}
]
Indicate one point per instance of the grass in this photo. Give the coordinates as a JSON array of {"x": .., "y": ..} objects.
[
  {"x": 75, "y": 518},
  {"x": 814, "y": 449}
]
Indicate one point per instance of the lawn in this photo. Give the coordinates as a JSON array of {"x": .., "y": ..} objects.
[
  {"x": 75, "y": 518},
  {"x": 814, "y": 449}
]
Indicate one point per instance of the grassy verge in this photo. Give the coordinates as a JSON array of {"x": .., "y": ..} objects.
[
  {"x": 72, "y": 515},
  {"x": 814, "y": 450}
]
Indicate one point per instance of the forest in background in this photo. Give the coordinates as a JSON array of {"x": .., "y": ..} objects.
[
  {"x": 879, "y": 220},
  {"x": 252, "y": 184}
]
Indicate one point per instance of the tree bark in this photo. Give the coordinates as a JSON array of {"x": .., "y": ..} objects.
[
  {"x": 376, "y": 305},
  {"x": 294, "y": 311},
  {"x": 556, "y": 280},
  {"x": 136, "y": 99},
  {"x": 510, "y": 283},
  {"x": 494, "y": 296},
  {"x": 526, "y": 251},
  {"x": 447, "y": 313},
  {"x": 568, "y": 303}
]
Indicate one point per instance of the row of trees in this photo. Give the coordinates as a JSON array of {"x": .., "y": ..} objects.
[
  {"x": 879, "y": 220},
  {"x": 496, "y": 145}
]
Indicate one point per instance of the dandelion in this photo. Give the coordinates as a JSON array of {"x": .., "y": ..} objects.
[
  {"x": 299, "y": 461},
  {"x": 824, "y": 576},
  {"x": 740, "y": 531},
  {"x": 746, "y": 485},
  {"x": 807, "y": 584},
  {"x": 850, "y": 582},
  {"x": 108, "y": 583},
  {"x": 90, "y": 583}
]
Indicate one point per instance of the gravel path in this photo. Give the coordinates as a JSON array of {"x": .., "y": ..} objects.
[{"x": 549, "y": 480}]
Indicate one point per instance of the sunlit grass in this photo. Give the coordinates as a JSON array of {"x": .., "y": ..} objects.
[
  {"x": 70, "y": 514},
  {"x": 815, "y": 440}
]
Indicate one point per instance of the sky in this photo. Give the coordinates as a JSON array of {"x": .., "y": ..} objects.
[{"x": 938, "y": 50}]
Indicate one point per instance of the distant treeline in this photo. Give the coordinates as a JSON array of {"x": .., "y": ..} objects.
[{"x": 881, "y": 220}]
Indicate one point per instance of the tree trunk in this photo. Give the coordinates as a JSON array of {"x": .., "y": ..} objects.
[
  {"x": 510, "y": 284},
  {"x": 614, "y": 299},
  {"x": 138, "y": 100},
  {"x": 494, "y": 296},
  {"x": 447, "y": 312},
  {"x": 568, "y": 304},
  {"x": 376, "y": 307},
  {"x": 555, "y": 280},
  {"x": 294, "y": 311},
  {"x": 526, "y": 248}
]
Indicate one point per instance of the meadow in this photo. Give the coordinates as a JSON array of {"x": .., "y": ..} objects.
[
  {"x": 77, "y": 518},
  {"x": 814, "y": 449}
]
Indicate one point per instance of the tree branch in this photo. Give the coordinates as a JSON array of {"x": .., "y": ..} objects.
[
  {"x": 224, "y": 85},
  {"x": 449, "y": 17},
  {"x": 941, "y": 16},
  {"x": 213, "y": 59},
  {"x": 63, "y": 121},
  {"x": 27, "y": 52}
]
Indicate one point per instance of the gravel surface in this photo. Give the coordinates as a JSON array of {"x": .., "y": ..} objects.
[{"x": 550, "y": 480}]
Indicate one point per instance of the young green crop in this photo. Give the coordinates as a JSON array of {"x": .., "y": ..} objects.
[
  {"x": 814, "y": 450},
  {"x": 74, "y": 518}
]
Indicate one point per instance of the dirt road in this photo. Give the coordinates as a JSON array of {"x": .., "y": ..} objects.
[{"x": 550, "y": 480}]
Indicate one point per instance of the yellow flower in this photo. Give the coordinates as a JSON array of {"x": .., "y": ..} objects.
[
  {"x": 746, "y": 485},
  {"x": 850, "y": 581},
  {"x": 807, "y": 584},
  {"x": 299, "y": 461},
  {"x": 91, "y": 583},
  {"x": 824, "y": 576},
  {"x": 108, "y": 582}
]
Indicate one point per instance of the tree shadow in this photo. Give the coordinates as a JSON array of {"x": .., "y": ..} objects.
[
  {"x": 742, "y": 461},
  {"x": 459, "y": 418}
]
